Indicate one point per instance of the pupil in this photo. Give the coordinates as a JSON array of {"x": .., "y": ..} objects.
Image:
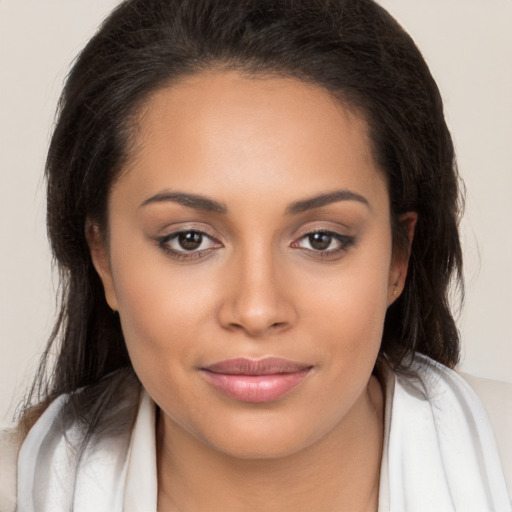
[
  {"x": 320, "y": 241},
  {"x": 190, "y": 240}
]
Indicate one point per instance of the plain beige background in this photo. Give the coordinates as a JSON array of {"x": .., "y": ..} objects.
[{"x": 468, "y": 45}]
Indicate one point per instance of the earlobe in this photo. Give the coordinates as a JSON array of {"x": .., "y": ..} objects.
[
  {"x": 101, "y": 262},
  {"x": 400, "y": 261}
]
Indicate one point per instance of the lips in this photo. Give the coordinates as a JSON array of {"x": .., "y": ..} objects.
[{"x": 255, "y": 381}]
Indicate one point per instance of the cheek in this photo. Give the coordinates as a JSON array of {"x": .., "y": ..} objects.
[
  {"x": 347, "y": 309},
  {"x": 162, "y": 310},
  {"x": 347, "y": 325}
]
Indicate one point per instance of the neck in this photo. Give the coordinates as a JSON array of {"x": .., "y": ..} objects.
[{"x": 339, "y": 472}]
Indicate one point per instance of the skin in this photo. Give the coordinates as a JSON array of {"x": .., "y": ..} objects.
[{"x": 255, "y": 288}]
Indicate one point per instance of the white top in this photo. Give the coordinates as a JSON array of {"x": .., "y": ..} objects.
[{"x": 440, "y": 453}]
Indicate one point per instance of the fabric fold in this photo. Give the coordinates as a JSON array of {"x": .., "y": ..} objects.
[{"x": 442, "y": 454}]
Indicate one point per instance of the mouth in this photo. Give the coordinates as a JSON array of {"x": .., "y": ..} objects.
[{"x": 256, "y": 381}]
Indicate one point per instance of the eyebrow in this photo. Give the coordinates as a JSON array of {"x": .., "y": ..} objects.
[
  {"x": 199, "y": 202},
  {"x": 194, "y": 201},
  {"x": 324, "y": 200}
]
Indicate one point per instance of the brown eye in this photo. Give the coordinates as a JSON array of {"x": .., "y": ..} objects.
[
  {"x": 190, "y": 240},
  {"x": 325, "y": 244},
  {"x": 320, "y": 241},
  {"x": 188, "y": 244}
]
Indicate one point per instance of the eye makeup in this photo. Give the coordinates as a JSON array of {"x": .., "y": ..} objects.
[
  {"x": 192, "y": 244},
  {"x": 324, "y": 244},
  {"x": 188, "y": 244}
]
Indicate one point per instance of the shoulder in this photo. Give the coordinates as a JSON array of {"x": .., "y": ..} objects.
[
  {"x": 462, "y": 423},
  {"x": 496, "y": 398},
  {"x": 109, "y": 404},
  {"x": 485, "y": 403},
  {"x": 10, "y": 442}
]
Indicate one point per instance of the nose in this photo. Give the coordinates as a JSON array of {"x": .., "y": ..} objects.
[{"x": 256, "y": 299}]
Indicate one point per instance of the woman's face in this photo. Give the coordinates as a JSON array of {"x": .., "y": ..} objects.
[{"x": 250, "y": 260}]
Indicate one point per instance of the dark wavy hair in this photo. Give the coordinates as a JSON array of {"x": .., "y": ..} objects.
[{"x": 352, "y": 48}]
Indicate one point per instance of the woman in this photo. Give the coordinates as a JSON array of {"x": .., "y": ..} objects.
[{"x": 254, "y": 207}]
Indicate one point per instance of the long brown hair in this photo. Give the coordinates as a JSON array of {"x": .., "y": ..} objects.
[{"x": 353, "y": 48}]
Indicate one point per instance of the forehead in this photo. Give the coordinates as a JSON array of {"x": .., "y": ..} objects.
[{"x": 223, "y": 132}]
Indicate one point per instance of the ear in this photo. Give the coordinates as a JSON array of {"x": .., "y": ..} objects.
[
  {"x": 101, "y": 262},
  {"x": 400, "y": 258}
]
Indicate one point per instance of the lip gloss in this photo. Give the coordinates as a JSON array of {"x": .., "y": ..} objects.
[{"x": 259, "y": 381}]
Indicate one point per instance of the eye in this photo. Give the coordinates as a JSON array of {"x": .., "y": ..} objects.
[
  {"x": 324, "y": 243},
  {"x": 188, "y": 243}
]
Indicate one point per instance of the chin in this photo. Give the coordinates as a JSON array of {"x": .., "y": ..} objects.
[
  {"x": 261, "y": 438},
  {"x": 262, "y": 448}
]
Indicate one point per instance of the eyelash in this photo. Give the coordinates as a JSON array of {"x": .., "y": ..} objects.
[
  {"x": 184, "y": 255},
  {"x": 345, "y": 242}
]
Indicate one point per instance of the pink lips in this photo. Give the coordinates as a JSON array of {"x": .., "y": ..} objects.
[{"x": 258, "y": 381}]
